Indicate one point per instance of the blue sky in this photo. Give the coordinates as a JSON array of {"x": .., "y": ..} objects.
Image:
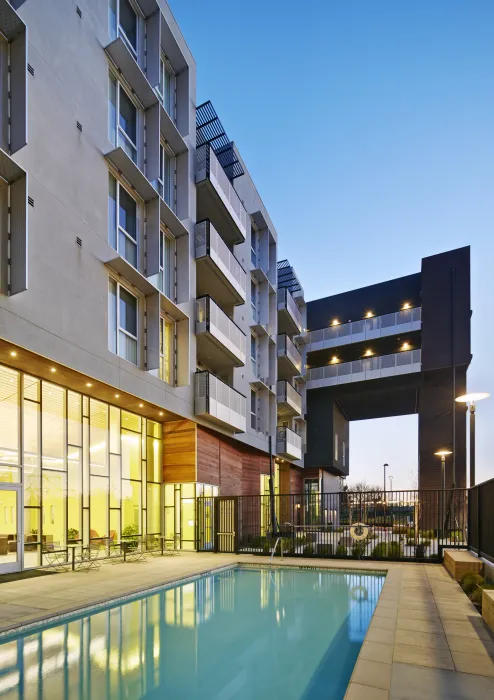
[{"x": 368, "y": 129}]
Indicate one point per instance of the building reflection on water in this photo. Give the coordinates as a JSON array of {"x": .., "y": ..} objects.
[{"x": 180, "y": 640}]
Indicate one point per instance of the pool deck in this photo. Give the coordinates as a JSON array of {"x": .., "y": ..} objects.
[{"x": 426, "y": 640}]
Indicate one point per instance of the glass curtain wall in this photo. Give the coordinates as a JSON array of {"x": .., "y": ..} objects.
[
  {"x": 91, "y": 472},
  {"x": 180, "y": 513}
]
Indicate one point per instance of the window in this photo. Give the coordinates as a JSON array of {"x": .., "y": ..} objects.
[
  {"x": 122, "y": 221},
  {"x": 122, "y": 322},
  {"x": 253, "y": 298},
  {"x": 167, "y": 350},
  {"x": 122, "y": 119},
  {"x": 166, "y": 180},
  {"x": 343, "y": 455},
  {"x": 123, "y": 22},
  {"x": 253, "y": 246},
  {"x": 253, "y": 354},
  {"x": 166, "y": 281},
  {"x": 336, "y": 446},
  {"x": 167, "y": 88},
  {"x": 253, "y": 409}
]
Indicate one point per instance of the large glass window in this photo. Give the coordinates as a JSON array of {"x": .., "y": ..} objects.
[
  {"x": 122, "y": 118},
  {"x": 123, "y": 22},
  {"x": 9, "y": 422},
  {"x": 253, "y": 409},
  {"x": 253, "y": 354},
  {"x": 166, "y": 280},
  {"x": 167, "y": 350},
  {"x": 167, "y": 88},
  {"x": 122, "y": 322},
  {"x": 122, "y": 222},
  {"x": 253, "y": 299}
]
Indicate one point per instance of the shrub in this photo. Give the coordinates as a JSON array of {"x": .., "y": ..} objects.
[
  {"x": 456, "y": 536},
  {"x": 400, "y": 530},
  {"x": 387, "y": 550},
  {"x": 341, "y": 551},
  {"x": 470, "y": 581},
  {"x": 380, "y": 550},
  {"x": 410, "y": 532},
  {"x": 339, "y": 529},
  {"x": 372, "y": 536},
  {"x": 410, "y": 542},
  {"x": 426, "y": 543},
  {"x": 308, "y": 550},
  {"x": 359, "y": 549},
  {"x": 324, "y": 550},
  {"x": 428, "y": 534},
  {"x": 127, "y": 532},
  {"x": 394, "y": 550}
]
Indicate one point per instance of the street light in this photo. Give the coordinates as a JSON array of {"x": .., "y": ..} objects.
[
  {"x": 384, "y": 466},
  {"x": 443, "y": 454},
  {"x": 469, "y": 400}
]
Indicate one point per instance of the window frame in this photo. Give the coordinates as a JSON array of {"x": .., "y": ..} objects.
[
  {"x": 165, "y": 319},
  {"x": 167, "y": 68},
  {"x": 253, "y": 298},
  {"x": 118, "y": 328},
  {"x": 254, "y": 246},
  {"x": 166, "y": 150},
  {"x": 165, "y": 234},
  {"x": 253, "y": 358},
  {"x": 119, "y": 228},
  {"x": 120, "y": 31},
  {"x": 253, "y": 414},
  {"x": 122, "y": 139}
]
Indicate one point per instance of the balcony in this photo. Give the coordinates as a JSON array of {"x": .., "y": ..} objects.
[
  {"x": 289, "y": 358},
  {"x": 217, "y": 199},
  {"x": 219, "y": 402},
  {"x": 219, "y": 273},
  {"x": 367, "y": 329},
  {"x": 361, "y": 370},
  {"x": 289, "y": 400},
  {"x": 289, "y": 316},
  {"x": 220, "y": 342},
  {"x": 288, "y": 444}
]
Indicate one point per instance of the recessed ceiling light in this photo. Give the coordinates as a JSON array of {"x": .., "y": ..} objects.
[
  {"x": 369, "y": 314},
  {"x": 406, "y": 305},
  {"x": 53, "y": 369},
  {"x": 161, "y": 413},
  {"x": 141, "y": 405},
  {"x": 13, "y": 353},
  {"x": 335, "y": 322},
  {"x": 88, "y": 384},
  {"x": 117, "y": 396},
  {"x": 405, "y": 346},
  {"x": 334, "y": 359}
]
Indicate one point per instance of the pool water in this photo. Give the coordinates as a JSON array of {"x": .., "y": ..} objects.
[{"x": 243, "y": 633}]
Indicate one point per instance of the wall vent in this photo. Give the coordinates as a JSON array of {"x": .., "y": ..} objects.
[
  {"x": 30, "y": 69},
  {"x": 78, "y": 241},
  {"x": 30, "y": 201},
  {"x": 79, "y": 126},
  {"x": 78, "y": 10}
]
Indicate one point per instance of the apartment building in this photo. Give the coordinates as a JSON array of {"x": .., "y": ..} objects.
[{"x": 142, "y": 331}]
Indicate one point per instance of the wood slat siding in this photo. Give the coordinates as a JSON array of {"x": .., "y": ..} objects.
[
  {"x": 179, "y": 451},
  {"x": 230, "y": 470},
  {"x": 296, "y": 481},
  {"x": 208, "y": 458}
]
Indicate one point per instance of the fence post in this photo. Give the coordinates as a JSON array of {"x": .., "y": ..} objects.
[{"x": 479, "y": 522}]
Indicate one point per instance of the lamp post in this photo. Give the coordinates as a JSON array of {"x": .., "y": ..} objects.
[
  {"x": 469, "y": 400},
  {"x": 443, "y": 454},
  {"x": 384, "y": 467},
  {"x": 390, "y": 482}
]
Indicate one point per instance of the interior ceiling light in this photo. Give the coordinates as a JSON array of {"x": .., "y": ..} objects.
[
  {"x": 369, "y": 314},
  {"x": 406, "y": 305},
  {"x": 335, "y": 322}
]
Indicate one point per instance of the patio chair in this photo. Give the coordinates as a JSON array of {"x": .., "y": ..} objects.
[
  {"x": 137, "y": 551},
  {"x": 170, "y": 549},
  {"x": 86, "y": 562},
  {"x": 56, "y": 559}
]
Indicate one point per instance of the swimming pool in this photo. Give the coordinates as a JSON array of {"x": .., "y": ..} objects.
[{"x": 240, "y": 633}]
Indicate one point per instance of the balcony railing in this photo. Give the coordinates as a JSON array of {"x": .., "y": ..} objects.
[
  {"x": 286, "y": 348},
  {"x": 208, "y": 242},
  {"x": 218, "y": 401},
  {"x": 211, "y": 319},
  {"x": 287, "y": 395},
  {"x": 208, "y": 167},
  {"x": 288, "y": 443},
  {"x": 366, "y": 329},
  {"x": 368, "y": 368},
  {"x": 287, "y": 303}
]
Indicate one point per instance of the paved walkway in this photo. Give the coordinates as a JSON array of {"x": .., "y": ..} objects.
[{"x": 426, "y": 640}]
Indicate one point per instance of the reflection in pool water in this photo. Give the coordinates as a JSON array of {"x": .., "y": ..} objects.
[{"x": 240, "y": 633}]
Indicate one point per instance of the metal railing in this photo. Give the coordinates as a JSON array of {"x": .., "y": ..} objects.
[
  {"x": 395, "y": 525},
  {"x": 210, "y": 318},
  {"x": 285, "y": 300},
  {"x": 207, "y": 166},
  {"x": 288, "y": 442},
  {"x": 480, "y": 519},
  {"x": 286, "y": 393},
  {"x": 366, "y": 329},
  {"x": 216, "y": 398},
  {"x": 209, "y": 242},
  {"x": 367, "y": 368},
  {"x": 286, "y": 348}
]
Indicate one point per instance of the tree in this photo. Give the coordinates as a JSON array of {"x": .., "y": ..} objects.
[{"x": 362, "y": 495}]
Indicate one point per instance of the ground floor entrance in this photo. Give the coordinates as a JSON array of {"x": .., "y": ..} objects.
[{"x": 11, "y": 539}]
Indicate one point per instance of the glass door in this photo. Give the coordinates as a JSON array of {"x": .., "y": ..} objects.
[{"x": 10, "y": 528}]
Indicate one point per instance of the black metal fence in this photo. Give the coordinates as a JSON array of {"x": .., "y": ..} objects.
[
  {"x": 481, "y": 519},
  {"x": 414, "y": 525}
]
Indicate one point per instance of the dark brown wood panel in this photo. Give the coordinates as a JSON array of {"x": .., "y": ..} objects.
[
  {"x": 230, "y": 470},
  {"x": 208, "y": 458},
  {"x": 179, "y": 451},
  {"x": 251, "y": 480},
  {"x": 296, "y": 480}
]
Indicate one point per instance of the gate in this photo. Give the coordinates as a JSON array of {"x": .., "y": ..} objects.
[{"x": 217, "y": 524}]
